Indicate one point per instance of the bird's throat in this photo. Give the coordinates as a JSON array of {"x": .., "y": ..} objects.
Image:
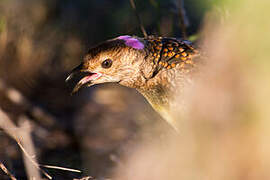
[
  {"x": 157, "y": 96},
  {"x": 160, "y": 99}
]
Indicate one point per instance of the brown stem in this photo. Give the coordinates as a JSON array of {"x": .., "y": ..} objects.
[
  {"x": 138, "y": 18},
  {"x": 182, "y": 19},
  {"x": 3, "y": 167}
]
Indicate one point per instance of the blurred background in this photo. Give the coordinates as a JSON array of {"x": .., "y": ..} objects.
[{"x": 110, "y": 131}]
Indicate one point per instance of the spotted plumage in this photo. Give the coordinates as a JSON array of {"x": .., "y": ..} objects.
[
  {"x": 168, "y": 52},
  {"x": 158, "y": 67}
]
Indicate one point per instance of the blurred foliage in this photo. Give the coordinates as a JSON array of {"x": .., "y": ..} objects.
[
  {"x": 2, "y": 24},
  {"x": 225, "y": 135}
]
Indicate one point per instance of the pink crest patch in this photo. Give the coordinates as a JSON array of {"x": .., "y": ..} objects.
[{"x": 132, "y": 42}]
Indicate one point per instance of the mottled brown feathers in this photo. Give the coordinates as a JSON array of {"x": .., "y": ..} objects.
[
  {"x": 110, "y": 45},
  {"x": 168, "y": 52}
]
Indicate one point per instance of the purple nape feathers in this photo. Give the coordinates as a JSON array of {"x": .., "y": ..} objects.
[{"x": 132, "y": 42}]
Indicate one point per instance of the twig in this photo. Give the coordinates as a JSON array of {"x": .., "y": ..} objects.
[
  {"x": 3, "y": 167},
  {"x": 138, "y": 18},
  {"x": 61, "y": 168},
  {"x": 33, "y": 162},
  {"x": 22, "y": 137},
  {"x": 85, "y": 178},
  {"x": 22, "y": 134},
  {"x": 183, "y": 20}
]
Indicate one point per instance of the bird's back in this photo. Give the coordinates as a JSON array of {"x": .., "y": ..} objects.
[
  {"x": 173, "y": 60},
  {"x": 171, "y": 53}
]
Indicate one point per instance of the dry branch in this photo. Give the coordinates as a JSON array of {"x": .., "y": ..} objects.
[
  {"x": 22, "y": 136},
  {"x": 3, "y": 167},
  {"x": 132, "y": 3},
  {"x": 183, "y": 20},
  {"x": 22, "y": 133}
]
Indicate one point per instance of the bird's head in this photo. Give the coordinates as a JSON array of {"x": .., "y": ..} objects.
[{"x": 118, "y": 60}]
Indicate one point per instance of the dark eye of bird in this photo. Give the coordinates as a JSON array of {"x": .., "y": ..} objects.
[{"x": 106, "y": 63}]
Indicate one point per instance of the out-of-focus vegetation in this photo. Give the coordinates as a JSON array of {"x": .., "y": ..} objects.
[
  {"x": 225, "y": 133},
  {"x": 107, "y": 130}
]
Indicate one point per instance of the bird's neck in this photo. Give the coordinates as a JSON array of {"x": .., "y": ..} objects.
[
  {"x": 162, "y": 91},
  {"x": 160, "y": 98},
  {"x": 158, "y": 92}
]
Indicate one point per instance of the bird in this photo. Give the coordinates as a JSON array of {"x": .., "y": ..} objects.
[{"x": 158, "y": 67}]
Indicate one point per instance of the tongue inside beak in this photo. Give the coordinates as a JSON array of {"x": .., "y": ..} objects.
[
  {"x": 83, "y": 79},
  {"x": 89, "y": 78}
]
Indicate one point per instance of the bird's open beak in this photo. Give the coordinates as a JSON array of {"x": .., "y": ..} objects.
[{"x": 80, "y": 77}]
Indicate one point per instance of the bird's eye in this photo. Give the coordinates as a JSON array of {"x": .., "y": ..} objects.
[{"x": 106, "y": 63}]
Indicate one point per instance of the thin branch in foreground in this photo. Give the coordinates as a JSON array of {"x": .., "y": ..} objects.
[
  {"x": 138, "y": 17},
  {"x": 22, "y": 136},
  {"x": 30, "y": 158},
  {"x": 183, "y": 20},
  {"x": 60, "y": 168},
  {"x": 3, "y": 167},
  {"x": 85, "y": 178}
]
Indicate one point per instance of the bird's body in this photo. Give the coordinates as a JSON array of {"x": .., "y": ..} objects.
[{"x": 158, "y": 67}]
